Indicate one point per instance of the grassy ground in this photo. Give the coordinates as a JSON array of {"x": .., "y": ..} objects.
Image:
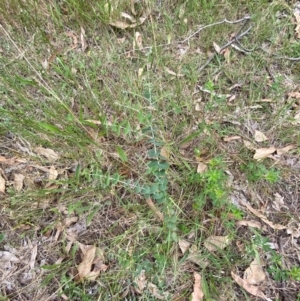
[{"x": 139, "y": 143}]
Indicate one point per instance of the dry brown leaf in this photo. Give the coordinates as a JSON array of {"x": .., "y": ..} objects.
[
  {"x": 2, "y": 184},
  {"x": 294, "y": 95},
  {"x": 169, "y": 71},
  {"x": 154, "y": 209},
  {"x": 262, "y": 217},
  {"x": 82, "y": 39},
  {"x": 297, "y": 18},
  {"x": 262, "y": 153},
  {"x": 18, "y": 181},
  {"x": 260, "y": 136},
  {"x": 184, "y": 245},
  {"x": 278, "y": 202},
  {"x": 12, "y": 161},
  {"x": 253, "y": 224},
  {"x": 197, "y": 294},
  {"x": 231, "y": 138},
  {"x": 251, "y": 289},
  {"x": 72, "y": 35},
  {"x": 49, "y": 153},
  {"x": 156, "y": 293},
  {"x": 132, "y": 22},
  {"x": 53, "y": 173},
  {"x": 255, "y": 274},
  {"x": 217, "y": 47},
  {"x": 281, "y": 151},
  {"x": 214, "y": 243},
  {"x": 197, "y": 257},
  {"x": 297, "y": 118},
  {"x": 201, "y": 168},
  {"x": 138, "y": 40},
  {"x": 165, "y": 152},
  {"x": 249, "y": 145},
  {"x": 92, "y": 262},
  {"x": 141, "y": 282},
  {"x": 33, "y": 256}
]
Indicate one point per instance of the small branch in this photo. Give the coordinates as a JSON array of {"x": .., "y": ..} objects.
[
  {"x": 246, "y": 18},
  {"x": 234, "y": 40}
]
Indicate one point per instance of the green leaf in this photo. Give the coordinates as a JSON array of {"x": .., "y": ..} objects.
[
  {"x": 153, "y": 153},
  {"x": 122, "y": 154},
  {"x": 50, "y": 127},
  {"x": 2, "y": 236}
]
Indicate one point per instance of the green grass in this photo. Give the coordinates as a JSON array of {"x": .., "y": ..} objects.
[{"x": 109, "y": 123}]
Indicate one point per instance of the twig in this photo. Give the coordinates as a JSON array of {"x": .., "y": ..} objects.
[
  {"x": 246, "y": 18},
  {"x": 235, "y": 39}
]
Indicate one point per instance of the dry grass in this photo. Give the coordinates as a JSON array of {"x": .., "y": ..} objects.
[{"x": 107, "y": 110}]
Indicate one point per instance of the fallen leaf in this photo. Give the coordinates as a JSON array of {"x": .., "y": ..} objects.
[
  {"x": 251, "y": 289},
  {"x": 259, "y": 136},
  {"x": 97, "y": 122},
  {"x": 231, "y": 138},
  {"x": 138, "y": 40},
  {"x": 92, "y": 262},
  {"x": 124, "y": 24},
  {"x": 82, "y": 39},
  {"x": 53, "y": 173},
  {"x": 2, "y": 184},
  {"x": 253, "y": 224},
  {"x": 165, "y": 152},
  {"x": 197, "y": 294},
  {"x": 72, "y": 35},
  {"x": 18, "y": 181},
  {"x": 281, "y": 151},
  {"x": 34, "y": 250},
  {"x": 217, "y": 47},
  {"x": 214, "y": 243},
  {"x": 197, "y": 257},
  {"x": 262, "y": 153},
  {"x": 201, "y": 168},
  {"x": 156, "y": 293},
  {"x": 297, "y": 118},
  {"x": 169, "y": 71},
  {"x": 255, "y": 274},
  {"x": 249, "y": 145},
  {"x": 49, "y": 153},
  {"x": 262, "y": 217},
  {"x": 297, "y": 18},
  {"x": 294, "y": 95},
  {"x": 278, "y": 202},
  {"x": 141, "y": 282},
  {"x": 184, "y": 245}
]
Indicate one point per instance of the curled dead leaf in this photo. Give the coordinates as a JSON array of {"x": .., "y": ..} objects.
[
  {"x": 251, "y": 289},
  {"x": 255, "y": 274},
  {"x": 253, "y": 224},
  {"x": 18, "y": 181},
  {"x": 214, "y": 243},
  {"x": 49, "y": 153},
  {"x": 260, "y": 136},
  {"x": 231, "y": 138},
  {"x": 184, "y": 245},
  {"x": 201, "y": 168},
  {"x": 141, "y": 282},
  {"x": 92, "y": 262},
  {"x": 197, "y": 294},
  {"x": 2, "y": 184},
  {"x": 281, "y": 151},
  {"x": 261, "y": 216},
  {"x": 262, "y": 153}
]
